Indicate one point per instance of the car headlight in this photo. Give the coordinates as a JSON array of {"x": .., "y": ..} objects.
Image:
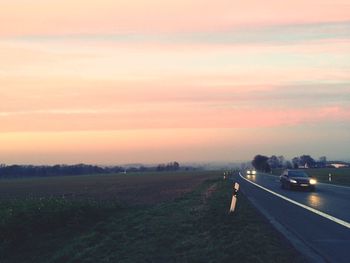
[
  {"x": 313, "y": 181},
  {"x": 248, "y": 172},
  {"x": 254, "y": 172},
  {"x": 292, "y": 181}
]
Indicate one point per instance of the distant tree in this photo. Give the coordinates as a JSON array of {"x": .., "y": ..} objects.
[
  {"x": 161, "y": 167},
  {"x": 260, "y": 163},
  {"x": 306, "y": 161},
  {"x": 142, "y": 168},
  {"x": 322, "y": 161},
  {"x": 132, "y": 170},
  {"x": 288, "y": 165},
  {"x": 17, "y": 171},
  {"x": 295, "y": 162},
  {"x": 282, "y": 161},
  {"x": 274, "y": 162},
  {"x": 174, "y": 166}
]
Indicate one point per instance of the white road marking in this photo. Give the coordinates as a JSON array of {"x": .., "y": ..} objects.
[{"x": 332, "y": 218}]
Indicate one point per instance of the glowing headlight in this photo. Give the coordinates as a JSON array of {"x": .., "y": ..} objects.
[
  {"x": 248, "y": 172},
  {"x": 253, "y": 172},
  {"x": 313, "y": 181},
  {"x": 292, "y": 181}
]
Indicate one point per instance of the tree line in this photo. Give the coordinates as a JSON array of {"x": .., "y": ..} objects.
[
  {"x": 265, "y": 163},
  {"x": 19, "y": 171}
]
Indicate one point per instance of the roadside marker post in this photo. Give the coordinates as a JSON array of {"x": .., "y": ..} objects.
[
  {"x": 235, "y": 188},
  {"x": 330, "y": 177},
  {"x": 234, "y": 197}
]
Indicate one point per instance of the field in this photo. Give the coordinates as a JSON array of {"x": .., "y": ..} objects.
[
  {"x": 340, "y": 176},
  {"x": 167, "y": 217},
  {"x": 145, "y": 188}
]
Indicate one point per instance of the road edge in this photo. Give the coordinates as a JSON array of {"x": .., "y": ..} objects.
[{"x": 310, "y": 253}]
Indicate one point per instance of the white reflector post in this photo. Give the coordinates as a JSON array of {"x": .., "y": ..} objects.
[
  {"x": 234, "y": 197},
  {"x": 233, "y": 204}
]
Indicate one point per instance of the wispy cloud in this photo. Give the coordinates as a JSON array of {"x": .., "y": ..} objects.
[
  {"x": 107, "y": 17},
  {"x": 268, "y": 34},
  {"x": 212, "y": 71},
  {"x": 53, "y": 112},
  {"x": 171, "y": 116}
]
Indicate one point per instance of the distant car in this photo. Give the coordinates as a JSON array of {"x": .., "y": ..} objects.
[
  {"x": 251, "y": 172},
  {"x": 297, "y": 179}
]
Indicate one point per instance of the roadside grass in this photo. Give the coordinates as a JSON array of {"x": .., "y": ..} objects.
[
  {"x": 193, "y": 228},
  {"x": 22, "y": 220},
  {"x": 340, "y": 176}
]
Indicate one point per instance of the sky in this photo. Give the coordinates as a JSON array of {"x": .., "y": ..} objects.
[{"x": 135, "y": 81}]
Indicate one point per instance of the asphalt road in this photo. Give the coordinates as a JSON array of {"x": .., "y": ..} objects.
[{"x": 321, "y": 235}]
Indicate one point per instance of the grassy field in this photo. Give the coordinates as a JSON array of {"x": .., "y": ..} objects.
[
  {"x": 340, "y": 176},
  {"x": 131, "y": 188},
  {"x": 190, "y": 223}
]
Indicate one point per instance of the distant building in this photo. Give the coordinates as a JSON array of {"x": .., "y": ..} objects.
[
  {"x": 305, "y": 166},
  {"x": 339, "y": 165}
]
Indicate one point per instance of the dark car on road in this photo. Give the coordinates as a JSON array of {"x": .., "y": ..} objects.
[{"x": 296, "y": 179}]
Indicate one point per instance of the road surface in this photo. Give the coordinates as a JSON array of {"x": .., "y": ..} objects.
[{"x": 319, "y": 221}]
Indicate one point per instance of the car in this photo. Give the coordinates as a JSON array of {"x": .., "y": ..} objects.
[
  {"x": 297, "y": 179},
  {"x": 251, "y": 172}
]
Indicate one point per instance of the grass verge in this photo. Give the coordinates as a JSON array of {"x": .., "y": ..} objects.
[{"x": 193, "y": 228}]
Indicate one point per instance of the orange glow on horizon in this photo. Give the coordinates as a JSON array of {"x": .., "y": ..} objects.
[{"x": 141, "y": 81}]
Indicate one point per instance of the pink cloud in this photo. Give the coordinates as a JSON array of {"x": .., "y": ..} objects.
[
  {"x": 106, "y": 16},
  {"x": 168, "y": 117}
]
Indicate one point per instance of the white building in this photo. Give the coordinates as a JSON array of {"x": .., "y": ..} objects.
[{"x": 339, "y": 165}]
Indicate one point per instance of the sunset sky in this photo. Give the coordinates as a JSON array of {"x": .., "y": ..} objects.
[{"x": 113, "y": 82}]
